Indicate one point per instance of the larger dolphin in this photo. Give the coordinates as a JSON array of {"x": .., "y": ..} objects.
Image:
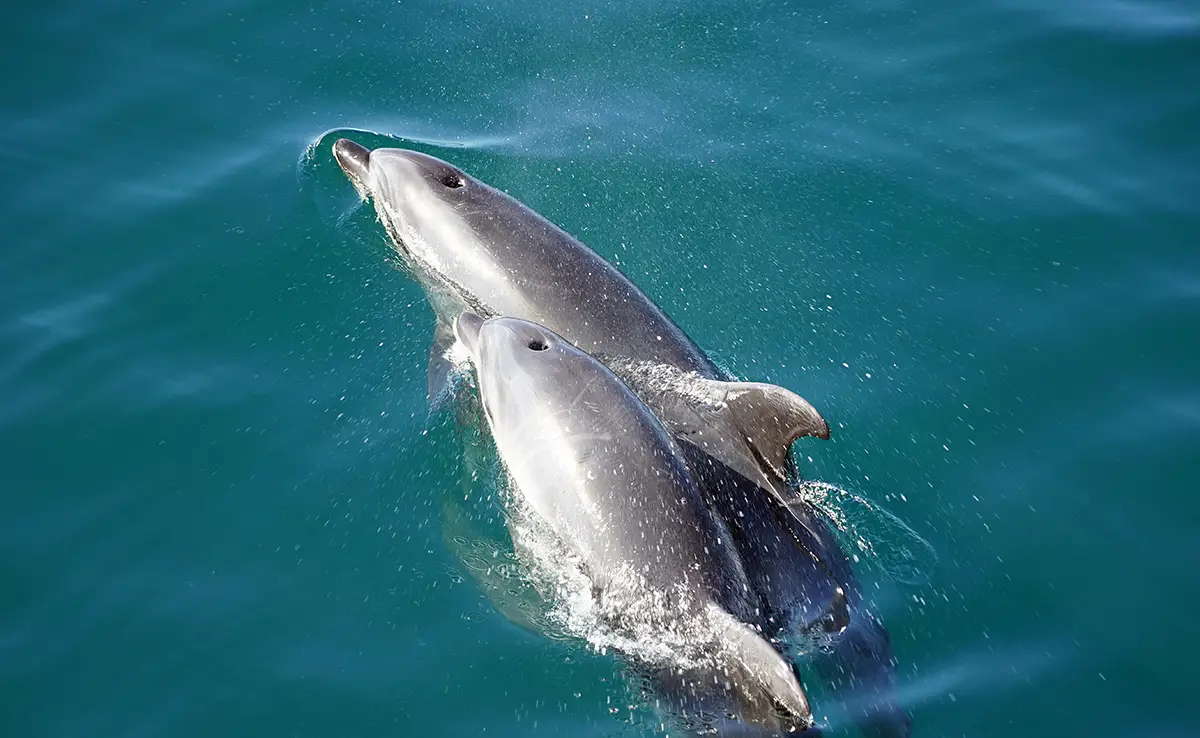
[
  {"x": 596, "y": 465},
  {"x": 476, "y": 248}
]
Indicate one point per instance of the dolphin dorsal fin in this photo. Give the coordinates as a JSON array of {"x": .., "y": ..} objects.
[{"x": 771, "y": 418}]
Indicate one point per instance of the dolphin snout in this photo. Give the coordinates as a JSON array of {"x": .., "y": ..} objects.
[
  {"x": 466, "y": 328},
  {"x": 353, "y": 158}
]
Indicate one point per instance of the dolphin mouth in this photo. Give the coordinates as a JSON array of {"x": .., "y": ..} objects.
[
  {"x": 355, "y": 161},
  {"x": 466, "y": 329}
]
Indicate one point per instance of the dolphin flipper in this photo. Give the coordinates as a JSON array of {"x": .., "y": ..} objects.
[
  {"x": 761, "y": 672},
  {"x": 440, "y": 366}
]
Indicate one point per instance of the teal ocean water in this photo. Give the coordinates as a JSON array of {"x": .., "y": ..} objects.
[{"x": 968, "y": 232}]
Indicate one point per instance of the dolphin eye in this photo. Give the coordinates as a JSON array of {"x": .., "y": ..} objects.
[
  {"x": 538, "y": 344},
  {"x": 452, "y": 180}
]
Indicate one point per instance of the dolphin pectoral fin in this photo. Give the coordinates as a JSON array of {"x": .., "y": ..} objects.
[
  {"x": 771, "y": 418},
  {"x": 440, "y": 366},
  {"x": 761, "y": 674}
]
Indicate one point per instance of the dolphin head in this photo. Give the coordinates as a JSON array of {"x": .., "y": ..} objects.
[
  {"x": 517, "y": 362},
  {"x": 507, "y": 343},
  {"x": 436, "y": 214},
  {"x": 395, "y": 173}
]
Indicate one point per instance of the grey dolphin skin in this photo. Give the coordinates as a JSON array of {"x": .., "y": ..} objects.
[
  {"x": 476, "y": 248},
  {"x": 594, "y": 462}
]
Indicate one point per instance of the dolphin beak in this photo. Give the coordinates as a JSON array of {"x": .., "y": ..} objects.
[
  {"x": 466, "y": 329},
  {"x": 355, "y": 161}
]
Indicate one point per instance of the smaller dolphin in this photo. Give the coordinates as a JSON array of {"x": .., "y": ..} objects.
[{"x": 594, "y": 463}]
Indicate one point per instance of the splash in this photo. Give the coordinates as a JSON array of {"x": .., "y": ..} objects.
[
  {"x": 874, "y": 537},
  {"x": 653, "y": 379},
  {"x": 647, "y": 628},
  {"x": 411, "y": 132}
]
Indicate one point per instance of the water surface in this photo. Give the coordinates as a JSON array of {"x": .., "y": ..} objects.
[{"x": 966, "y": 232}]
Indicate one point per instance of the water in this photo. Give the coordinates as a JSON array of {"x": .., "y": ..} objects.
[{"x": 966, "y": 232}]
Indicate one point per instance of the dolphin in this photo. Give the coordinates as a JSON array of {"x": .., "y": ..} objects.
[
  {"x": 594, "y": 463},
  {"x": 475, "y": 248}
]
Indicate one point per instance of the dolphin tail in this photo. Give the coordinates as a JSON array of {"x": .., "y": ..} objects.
[{"x": 760, "y": 677}]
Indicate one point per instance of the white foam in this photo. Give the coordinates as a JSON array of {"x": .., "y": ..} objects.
[
  {"x": 647, "y": 626},
  {"x": 876, "y": 537}
]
